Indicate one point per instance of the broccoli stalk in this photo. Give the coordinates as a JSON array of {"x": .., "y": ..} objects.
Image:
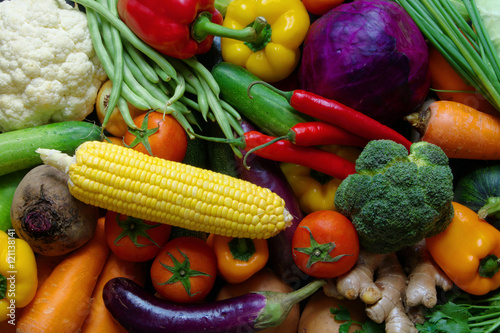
[{"x": 397, "y": 199}]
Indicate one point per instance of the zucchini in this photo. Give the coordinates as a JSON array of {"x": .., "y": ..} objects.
[
  {"x": 17, "y": 148},
  {"x": 8, "y": 185},
  {"x": 479, "y": 190},
  {"x": 267, "y": 110}
]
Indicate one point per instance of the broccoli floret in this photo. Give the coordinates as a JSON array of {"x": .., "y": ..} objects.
[{"x": 397, "y": 199}]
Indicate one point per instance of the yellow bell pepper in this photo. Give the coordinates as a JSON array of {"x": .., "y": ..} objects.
[
  {"x": 468, "y": 251},
  {"x": 316, "y": 191},
  {"x": 271, "y": 59},
  {"x": 18, "y": 275}
]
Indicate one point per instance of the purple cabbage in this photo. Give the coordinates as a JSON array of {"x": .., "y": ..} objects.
[{"x": 369, "y": 55}]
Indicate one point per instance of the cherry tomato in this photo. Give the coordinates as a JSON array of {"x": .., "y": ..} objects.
[
  {"x": 185, "y": 270},
  {"x": 325, "y": 244},
  {"x": 158, "y": 135},
  {"x": 134, "y": 239}
]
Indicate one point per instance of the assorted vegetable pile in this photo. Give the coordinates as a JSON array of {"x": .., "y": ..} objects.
[{"x": 249, "y": 165}]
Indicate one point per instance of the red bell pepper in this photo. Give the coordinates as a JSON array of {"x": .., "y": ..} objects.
[{"x": 181, "y": 28}]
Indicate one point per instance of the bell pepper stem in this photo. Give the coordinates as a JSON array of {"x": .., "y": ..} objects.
[
  {"x": 491, "y": 207},
  {"x": 489, "y": 266},
  {"x": 203, "y": 27}
]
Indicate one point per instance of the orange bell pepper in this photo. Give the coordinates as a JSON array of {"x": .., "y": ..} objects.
[
  {"x": 468, "y": 252},
  {"x": 238, "y": 258}
]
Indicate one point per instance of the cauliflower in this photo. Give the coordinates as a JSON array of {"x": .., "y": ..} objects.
[
  {"x": 49, "y": 71},
  {"x": 397, "y": 199}
]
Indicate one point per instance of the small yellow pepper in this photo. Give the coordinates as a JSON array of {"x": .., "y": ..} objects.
[
  {"x": 468, "y": 252},
  {"x": 18, "y": 275},
  {"x": 315, "y": 191},
  {"x": 272, "y": 58},
  {"x": 239, "y": 258}
]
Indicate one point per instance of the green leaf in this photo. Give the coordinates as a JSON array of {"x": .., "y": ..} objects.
[
  {"x": 318, "y": 252},
  {"x": 181, "y": 272},
  {"x": 133, "y": 227},
  {"x": 340, "y": 313}
]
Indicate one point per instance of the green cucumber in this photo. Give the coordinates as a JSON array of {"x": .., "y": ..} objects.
[
  {"x": 8, "y": 185},
  {"x": 267, "y": 110},
  {"x": 18, "y": 148}
]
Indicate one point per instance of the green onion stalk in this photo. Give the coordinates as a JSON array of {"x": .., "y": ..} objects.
[{"x": 457, "y": 30}]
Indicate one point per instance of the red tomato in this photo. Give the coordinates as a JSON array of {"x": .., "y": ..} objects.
[
  {"x": 325, "y": 244},
  {"x": 158, "y": 135},
  {"x": 134, "y": 239},
  {"x": 185, "y": 270}
]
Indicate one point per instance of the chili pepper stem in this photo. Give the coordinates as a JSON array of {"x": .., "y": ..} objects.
[
  {"x": 203, "y": 27},
  {"x": 240, "y": 143},
  {"x": 286, "y": 94}
]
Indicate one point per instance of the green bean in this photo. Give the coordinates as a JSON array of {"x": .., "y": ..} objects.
[
  {"x": 235, "y": 124},
  {"x": 139, "y": 60},
  {"x": 161, "y": 73},
  {"x": 190, "y": 103},
  {"x": 130, "y": 36},
  {"x": 229, "y": 108},
  {"x": 153, "y": 89},
  {"x": 118, "y": 66},
  {"x": 179, "y": 89},
  {"x": 125, "y": 112},
  {"x": 100, "y": 50},
  {"x": 108, "y": 65},
  {"x": 204, "y": 73},
  {"x": 180, "y": 117},
  {"x": 195, "y": 82},
  {"x": 218, "y": 112},
  {"x": 141, "y": 90}
]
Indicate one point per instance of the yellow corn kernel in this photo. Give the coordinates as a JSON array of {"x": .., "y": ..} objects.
[{"x": 125, "y": 181}]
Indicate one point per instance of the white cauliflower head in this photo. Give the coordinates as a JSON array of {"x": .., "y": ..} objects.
[{"x": 49, "y": 71}]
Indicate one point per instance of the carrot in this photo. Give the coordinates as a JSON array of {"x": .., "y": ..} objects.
[
  {"x": 62, "y": 303},
  {"x": 45, "y": 266},
  {"x": 99, "y": 319},
  {"x": 461, "y": 131},
  {"x": 450, "y": 86}
]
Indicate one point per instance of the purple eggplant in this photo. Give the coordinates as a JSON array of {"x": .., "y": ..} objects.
[
  {"x": 138, "y": 310},
  {"x": 267, "y": 173}
]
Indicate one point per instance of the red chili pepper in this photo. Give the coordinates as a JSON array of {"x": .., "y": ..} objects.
[
  {"x": 182, "y": 28},
  {"x": 285, "y": 151},
  {"x": 316, "y": 133},
  {"x": 336, "y": 113}
]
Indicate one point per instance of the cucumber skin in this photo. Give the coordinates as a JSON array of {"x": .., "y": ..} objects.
[
  {"x": 270, "y": 112},
  {"x": 17, "y": 148},
  {"x": 8, "y": 185}
]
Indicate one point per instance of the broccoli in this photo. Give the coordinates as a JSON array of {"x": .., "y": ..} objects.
[{"x": 396, "y": 199}]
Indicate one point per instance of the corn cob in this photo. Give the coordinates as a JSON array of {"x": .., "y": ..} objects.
[{"x": 126, "y": 181}]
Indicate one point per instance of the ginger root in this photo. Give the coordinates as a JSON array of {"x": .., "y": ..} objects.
[
  {"x": 395, "y": 287},
  {"x": 424, "y": 276},
  {"x": 391, "y": 281},
  {"x": 359, "y": 281}
]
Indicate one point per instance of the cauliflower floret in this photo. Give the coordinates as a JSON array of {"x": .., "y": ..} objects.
[{"x": 49, "y": 71}]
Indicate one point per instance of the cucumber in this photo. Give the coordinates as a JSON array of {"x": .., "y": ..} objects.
[
  {"x": 267, "y": 110},
  {"x": 8, "y": 185},
  {"x": 17, "y": 148}
]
